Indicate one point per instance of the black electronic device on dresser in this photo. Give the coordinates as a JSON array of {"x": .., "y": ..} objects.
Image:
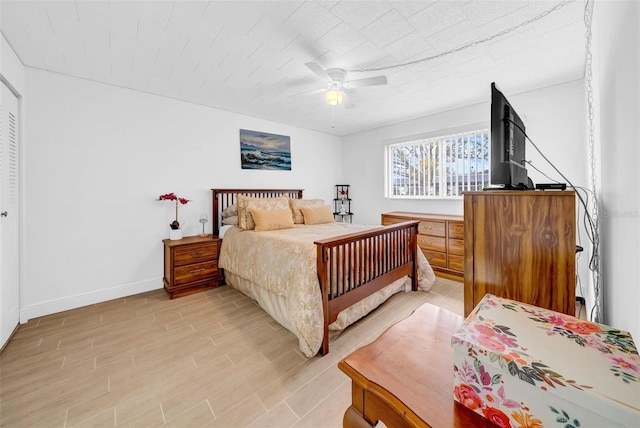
[{"x": 551, "y": 186}]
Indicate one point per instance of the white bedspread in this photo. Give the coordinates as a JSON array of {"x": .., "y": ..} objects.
[{"x": 283, "y": 262}]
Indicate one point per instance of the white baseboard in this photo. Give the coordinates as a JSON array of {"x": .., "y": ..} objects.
[{"x": 78, "y": 301}]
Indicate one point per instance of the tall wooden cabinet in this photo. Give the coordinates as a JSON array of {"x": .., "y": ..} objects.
[{"x": 520, "y": 245}]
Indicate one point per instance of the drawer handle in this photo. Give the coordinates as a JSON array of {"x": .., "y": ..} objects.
[
  {"x": 197, "y": 253},
  {"x": 196, "y": 271}
]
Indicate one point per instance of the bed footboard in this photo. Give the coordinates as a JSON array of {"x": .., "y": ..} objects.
[{"x": 352, "y": 267}]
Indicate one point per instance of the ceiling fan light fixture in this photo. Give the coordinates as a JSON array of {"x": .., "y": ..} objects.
[{"x": 333, "y": 97}]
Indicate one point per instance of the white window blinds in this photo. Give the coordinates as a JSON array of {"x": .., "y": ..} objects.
[{"x": 439, "y": 167}]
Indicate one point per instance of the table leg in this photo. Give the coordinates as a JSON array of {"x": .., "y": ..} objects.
[{"x": 353, "y": 419}]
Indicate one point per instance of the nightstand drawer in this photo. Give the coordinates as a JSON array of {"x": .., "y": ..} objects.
[
  {"x": 433, "y": 228},
  {"x": 436, "y": 258},
  {"x": 196, "y": 272},
  {"x": 427, "y": 242},
  {"x": 195, "y": 253}
]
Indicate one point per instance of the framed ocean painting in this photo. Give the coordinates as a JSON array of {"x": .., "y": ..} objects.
[{"x": 261, "y": 150}]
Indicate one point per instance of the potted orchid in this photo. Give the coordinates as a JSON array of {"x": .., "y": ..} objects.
[{"x": 175, "y": 232}]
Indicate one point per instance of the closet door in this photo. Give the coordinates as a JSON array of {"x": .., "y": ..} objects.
[{"x": 9, "y": 284}]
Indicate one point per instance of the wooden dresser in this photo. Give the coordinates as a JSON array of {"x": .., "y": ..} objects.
[
  {"x": 191, "y": 265},
  {"x": 441, "y": 238},
  {"x": 520, "y": 245}
]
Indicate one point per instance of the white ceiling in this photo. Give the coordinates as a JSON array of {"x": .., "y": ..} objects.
[{"x": 249, "y": 56}]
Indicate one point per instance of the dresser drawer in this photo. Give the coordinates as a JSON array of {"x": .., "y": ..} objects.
[
  {"x": 427, "y": 242},
  {"x": 195, "y": 253},
  {"x": 456, "y": 263},
  {"x": 387, "y": 220},
  {"x": 436, "y": 258},
  {"x": 456, "y": 246},
  {"x": 196, "y": 272},
  {"x": 433, "y": 228},
  {"x": 456, "y": 229}
]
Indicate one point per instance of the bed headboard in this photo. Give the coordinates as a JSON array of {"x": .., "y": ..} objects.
[{"x": 222, "y": 198}]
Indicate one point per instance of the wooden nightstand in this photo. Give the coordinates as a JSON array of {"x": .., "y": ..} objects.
[{"x": 191, "y": 265}]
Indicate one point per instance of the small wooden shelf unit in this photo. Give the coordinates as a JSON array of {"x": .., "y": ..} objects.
[
  {"x": 191, "y": 265},
  {"x": 441, "y": 238},
  {"x": 342, "y": 204}
]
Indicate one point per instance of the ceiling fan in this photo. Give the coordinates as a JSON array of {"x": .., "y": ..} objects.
[{"x": 335, "y": 92}]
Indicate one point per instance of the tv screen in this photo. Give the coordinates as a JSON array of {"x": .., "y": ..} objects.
[{"x": 508, "y": 169}]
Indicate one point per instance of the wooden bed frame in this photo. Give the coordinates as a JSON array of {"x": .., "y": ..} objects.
[{"x": 350, "y": 267}]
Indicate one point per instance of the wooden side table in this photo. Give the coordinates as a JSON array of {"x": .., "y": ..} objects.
[
  {"x": 404, "y": 378},
  {"x": 191, "y": 265}
]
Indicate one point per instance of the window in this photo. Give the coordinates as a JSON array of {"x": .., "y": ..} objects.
[{"x": 439, "y": 167}]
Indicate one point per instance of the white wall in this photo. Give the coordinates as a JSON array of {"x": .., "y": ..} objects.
[
  {"x": 363, "y": 164},
  {"x": 554, "y": 119},
  {"x": 11, "y": 69},
  {"x": 617, "y": 88},
  {"x": 97, "y": 157}
]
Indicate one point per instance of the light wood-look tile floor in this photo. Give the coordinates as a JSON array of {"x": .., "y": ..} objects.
[{"x": 212, "y": 359}]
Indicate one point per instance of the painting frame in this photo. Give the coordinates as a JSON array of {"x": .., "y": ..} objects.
[{"x": 264, "y": 151}]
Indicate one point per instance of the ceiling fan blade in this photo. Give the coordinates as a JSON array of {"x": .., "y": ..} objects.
[
  {"x": 309, "y": 92},
  {"x": 368, "y": 81},
  {"x": 319, "y": 71}
]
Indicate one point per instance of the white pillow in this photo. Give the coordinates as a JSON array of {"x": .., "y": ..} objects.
[{"x": 223, "y": 229}]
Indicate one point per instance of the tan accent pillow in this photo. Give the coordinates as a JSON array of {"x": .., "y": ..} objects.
[
  {"x": 272, "y": 219},
  {"x": 245, "y": 203},
  {"x": 230, "y": 211},
  {"x": 318, "y": 215},
  {"x": 296, "y": 204}
]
